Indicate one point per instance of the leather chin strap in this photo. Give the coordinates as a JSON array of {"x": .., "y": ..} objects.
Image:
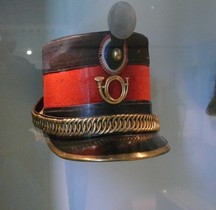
[{"x": 99, "y": 109}]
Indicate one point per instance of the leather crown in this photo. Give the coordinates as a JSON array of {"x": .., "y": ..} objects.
[{"x": 78, "y": 51}]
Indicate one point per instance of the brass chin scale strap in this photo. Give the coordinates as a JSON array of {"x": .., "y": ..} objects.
[{"x": 94, "y": 126}]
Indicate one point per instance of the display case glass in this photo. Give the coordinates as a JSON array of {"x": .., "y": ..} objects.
[{"x": 182, "y": 49}]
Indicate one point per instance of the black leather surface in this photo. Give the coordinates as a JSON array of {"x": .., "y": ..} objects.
[
  {"x": 79, "y": 51},
  {"x": 99, "y": 109}
]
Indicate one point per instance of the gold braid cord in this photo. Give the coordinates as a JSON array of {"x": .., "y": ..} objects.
[{"x": 91, "y": 126}]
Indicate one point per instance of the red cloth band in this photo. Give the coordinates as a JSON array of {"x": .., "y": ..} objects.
[{"x": 78, "y": 86}]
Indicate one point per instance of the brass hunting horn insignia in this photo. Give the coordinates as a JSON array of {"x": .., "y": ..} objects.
[{"x": 104, "y": 89}]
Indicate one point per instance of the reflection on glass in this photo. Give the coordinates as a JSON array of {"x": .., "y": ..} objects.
[{"x": 28, "y": 52}]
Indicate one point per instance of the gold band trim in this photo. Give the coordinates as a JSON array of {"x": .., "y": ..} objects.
[
  {"x": 92, "y": 126},
  {"x": 107, "y": 158}
]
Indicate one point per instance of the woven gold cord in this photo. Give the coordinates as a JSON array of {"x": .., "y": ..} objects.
[{"x": 91, "y": 126}]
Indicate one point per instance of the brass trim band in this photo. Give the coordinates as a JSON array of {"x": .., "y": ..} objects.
[
  {"x": 111, "y": 157},
  {"x": 93, "y": 126}
]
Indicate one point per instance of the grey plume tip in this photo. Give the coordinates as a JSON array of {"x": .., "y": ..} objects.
[{"x": 121, "y": 20}]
